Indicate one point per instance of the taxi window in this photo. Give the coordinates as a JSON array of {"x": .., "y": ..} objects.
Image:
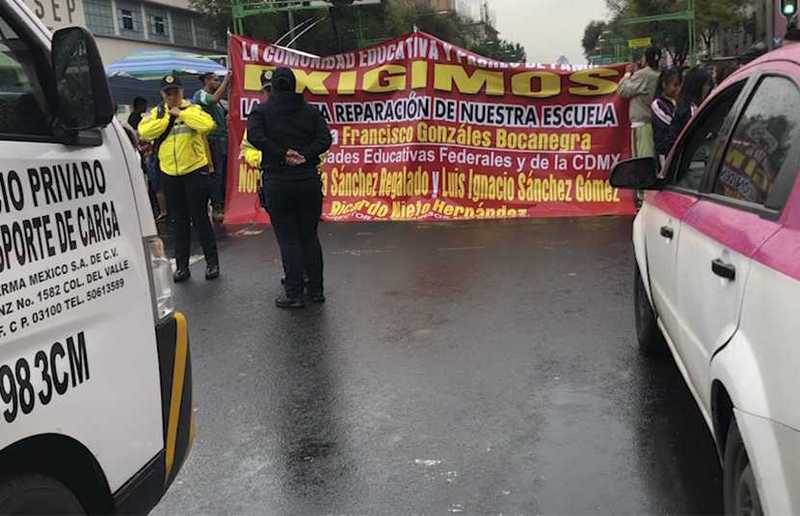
[
  {"x": 702, "y": 139},
  {"x": 22, "y": 101},
  {"x": 761, "y": 143}
]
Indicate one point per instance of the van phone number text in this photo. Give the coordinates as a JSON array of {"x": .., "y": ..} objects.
[{"x": 58, "y": 307}]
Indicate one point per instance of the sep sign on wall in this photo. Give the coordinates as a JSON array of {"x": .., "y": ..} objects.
[{"x": 424, "y": 130}]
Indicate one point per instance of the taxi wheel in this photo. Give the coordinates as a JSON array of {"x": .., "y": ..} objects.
[
  {"x": 738, "y": 480},
  {"x": 37, "y": 494},
  {"x": 651, "y": 342}
]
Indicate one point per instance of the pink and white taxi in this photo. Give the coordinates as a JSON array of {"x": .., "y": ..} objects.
[{"x": 717, "y": 245}]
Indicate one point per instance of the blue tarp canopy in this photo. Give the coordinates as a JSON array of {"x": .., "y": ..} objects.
[
  {"x": 125, "y": 89},
  {"x": 153, "y": 65}
]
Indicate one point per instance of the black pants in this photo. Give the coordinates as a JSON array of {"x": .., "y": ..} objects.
[
  {"x": 295, "y": 208},
  {"x": 219, "y": 155},
  {"x": 187, "y": 198}
]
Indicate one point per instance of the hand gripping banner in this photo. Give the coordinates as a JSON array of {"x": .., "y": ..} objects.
[{"x": 424, "y": 130}]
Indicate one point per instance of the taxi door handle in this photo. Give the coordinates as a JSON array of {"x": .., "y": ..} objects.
[
  {"x": 723, "y": 270},
  {"x": 667, "y": 232}
]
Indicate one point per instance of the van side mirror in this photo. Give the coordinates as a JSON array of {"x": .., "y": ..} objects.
[
  {"x": 636, "y": 174},
  {"x": 82, "y": 92}
]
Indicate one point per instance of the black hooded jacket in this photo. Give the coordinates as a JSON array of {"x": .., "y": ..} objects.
[{"x": 286, "y": 121}]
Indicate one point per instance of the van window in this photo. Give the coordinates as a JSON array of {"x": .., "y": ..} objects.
[
  {"x": 762, "y": 141},
  {"x": 702, "y": 139},
  {"x": 22, "y": 101}
]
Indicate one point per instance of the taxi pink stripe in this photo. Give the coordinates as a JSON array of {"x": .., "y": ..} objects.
[
  {"x": 673, "y": 204},
  {"x": 740, "y": 231},
  {"x": 748, "y": 234},
  {"x": 782, "y": 253}
]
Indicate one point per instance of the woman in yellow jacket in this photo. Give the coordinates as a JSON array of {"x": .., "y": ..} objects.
[{"x": 179, "y": 131}]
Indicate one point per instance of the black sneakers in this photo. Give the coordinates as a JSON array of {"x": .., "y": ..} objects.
[
  {"x": 212, "y": 272},
  {"x": 182, "y": 275},
  {"x": 316, "y": 297},
  {"x": 287, "y": 302}
]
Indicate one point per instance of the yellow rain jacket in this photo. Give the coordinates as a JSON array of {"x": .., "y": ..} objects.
[{"x": 185, "y": 149}]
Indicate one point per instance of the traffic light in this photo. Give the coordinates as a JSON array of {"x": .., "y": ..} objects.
[{"x": 789, "y": 7}]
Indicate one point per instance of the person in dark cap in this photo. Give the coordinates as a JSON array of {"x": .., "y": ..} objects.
[
  {"x": 178, "y": 131},
  {"x": 209, "y": 97},
  {"x": 291, "y": 135}
]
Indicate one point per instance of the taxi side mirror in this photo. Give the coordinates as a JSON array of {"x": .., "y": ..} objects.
[
  {"x": 636, "y": 174},
  {"x": 82, "y": 93}
]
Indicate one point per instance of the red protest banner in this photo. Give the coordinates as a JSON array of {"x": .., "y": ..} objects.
[{"x": 424, "y": 130}]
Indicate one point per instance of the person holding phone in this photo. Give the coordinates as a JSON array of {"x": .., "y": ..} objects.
[{"x": 178, "y": 129}]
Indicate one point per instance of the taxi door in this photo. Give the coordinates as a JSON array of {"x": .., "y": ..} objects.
[
  {"x": 738, "y": 212},
  {"x": 667, "y": 209}
]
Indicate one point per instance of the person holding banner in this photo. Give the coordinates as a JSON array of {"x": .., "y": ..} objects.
[
  {"x": 640, "y": 88},
  {"x": 209, "y": 98},
  {"x": 291, "y": 135}
]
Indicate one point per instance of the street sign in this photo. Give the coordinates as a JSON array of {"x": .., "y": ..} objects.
[{"x": 640, "y": 42}]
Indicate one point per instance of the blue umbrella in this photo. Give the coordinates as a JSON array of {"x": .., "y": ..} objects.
[
  {"x": 156, "y": 64},
  {"x": 125, "y": 89}
]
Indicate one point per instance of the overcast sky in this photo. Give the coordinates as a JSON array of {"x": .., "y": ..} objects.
[{"x": 547, "y": 28}]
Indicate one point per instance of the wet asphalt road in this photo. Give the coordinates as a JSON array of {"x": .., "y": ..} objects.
[{"x": 459, "y": 368}]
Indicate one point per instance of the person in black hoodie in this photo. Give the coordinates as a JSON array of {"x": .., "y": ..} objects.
[{"x": 292, "y": 134}]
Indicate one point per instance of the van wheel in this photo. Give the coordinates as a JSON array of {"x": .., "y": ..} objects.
[
  {"x": 738, "y": 481},
  {"x": 37, "y": 494},
  {"x": 651, "y": 342}
]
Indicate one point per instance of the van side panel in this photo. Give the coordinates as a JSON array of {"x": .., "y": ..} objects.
[{"x": 77, "y": 337}]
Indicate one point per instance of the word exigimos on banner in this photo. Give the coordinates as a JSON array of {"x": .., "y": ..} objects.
[{"x": 424, "y": 130}]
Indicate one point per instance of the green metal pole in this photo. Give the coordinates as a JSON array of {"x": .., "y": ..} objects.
[{"x": 692, "y": 33}]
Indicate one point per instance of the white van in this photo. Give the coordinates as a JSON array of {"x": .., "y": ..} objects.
[{"x": 95, "y": 377}]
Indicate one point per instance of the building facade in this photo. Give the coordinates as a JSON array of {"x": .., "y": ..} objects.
[
  {"x": 124, "y": 27},
  {"x": 442, "y": 5},
  {"x": 770, "y": 22}
]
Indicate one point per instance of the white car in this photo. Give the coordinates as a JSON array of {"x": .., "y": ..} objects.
[{"x": 717, "y": 246}]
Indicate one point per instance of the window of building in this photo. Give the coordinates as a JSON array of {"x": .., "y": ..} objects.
[
  {"x": 127, "y": 19},
  {"x": 130, "y": 18},
  {"x": 182, "y": 28},
  {"x": 158, "y": 26},
  {"x": 99, "y": 17},
  {"x": 206, "y": 36}
]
